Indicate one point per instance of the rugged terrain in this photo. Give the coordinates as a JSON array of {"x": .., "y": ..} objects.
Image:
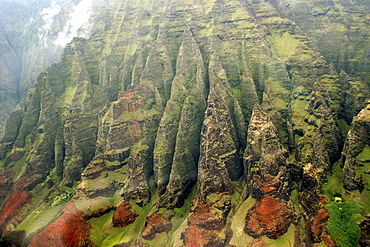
[
  {"x": 197, "y": 123},
  {"x": 33, "y": 34}
]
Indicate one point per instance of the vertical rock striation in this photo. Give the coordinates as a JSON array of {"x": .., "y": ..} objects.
[{"x": 189, "y": 123}]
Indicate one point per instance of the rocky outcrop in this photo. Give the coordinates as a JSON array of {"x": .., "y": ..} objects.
[
  {"x": 269, "y": 217},
  {"x": 205, "y": 226},
  {"x": 356, "y": 153},
  {"x": 264, "y": 156},
  {"x": 185, "y": 124},
  {"x": 123, "y": 216},
  {"x": 176, "y": 148},
  {"x": 268, "y": 179},
  {"x": 156, "y": 224}
]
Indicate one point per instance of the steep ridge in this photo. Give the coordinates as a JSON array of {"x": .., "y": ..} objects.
[
  {"x": 33, "y": 36},
  {"x": 189, "y": 123}
]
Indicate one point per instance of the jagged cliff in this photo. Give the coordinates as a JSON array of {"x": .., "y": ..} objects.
[
  {"x": 196, "y": 123},
  {"x": 33, "y": 34}
]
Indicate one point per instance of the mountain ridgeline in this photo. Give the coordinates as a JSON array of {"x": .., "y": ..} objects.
[
  {"x": 33, "y": 34},
  {"x": 197, "y": 123}
]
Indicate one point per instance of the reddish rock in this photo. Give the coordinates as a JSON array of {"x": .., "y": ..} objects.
[
  {"x": 123, "y": 215},
  {"x": 269, "y": 185},
  {"x": 13, "y": 209},
  {"x": 318, "y": 222},
  {"x": 318, "y": 227},
  {"x": 207, "y": 217},
  {"x": 70, "y": 230},
  {"x": 135, "y": 130},
  {"x": 156, "y": 224},
  {"x": 26, "y": 182},
  {"x": 129, "y": 102},
  {"x": 328, "y": 241},
  {"x": 195, "y": 236},
  {"x": 270, "y": 217},
  {"x": 205, "y": 225},
  {"x": 324, "y": 200}
]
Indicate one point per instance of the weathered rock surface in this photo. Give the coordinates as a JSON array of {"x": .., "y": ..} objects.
[
  {"x": 123, "y": 216},
  {"x": 268, "y": 179},
  {"x": 269, "y": 217},
  {"x": 32, "y": 37},
  {"x": 190, "y": 123},
  {"x": 356, "y": 153}
]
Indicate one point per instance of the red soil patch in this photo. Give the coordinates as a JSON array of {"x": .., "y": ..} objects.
[
  {"x": 318, "y": 223},
  {"x": 318, "y": 228},
  {"x": 269, "y": 217},
  {"x": 123, "y": 215},
  {"x": 156, "y": 224},
  {"x": 13, "y": 209},
  {"x": 193, "y": 236},
  {"x": 206, "y": 217},
  {"x": 269, "y": 185},
  {"x": 329, "y": 242},
  {"x": 205, "y": 224},
  {"x": 128, "y": 102},
  {"x": 134, "y": 128},
  {"x": 128, "y": 94},
  {"x": 70, "y": 230},
  {"x": 324, "y": 200}
]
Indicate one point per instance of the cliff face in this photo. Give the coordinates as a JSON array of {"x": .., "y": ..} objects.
[
  {"x": 33, "y": 35},
  {"x": 194, "y": 123}
]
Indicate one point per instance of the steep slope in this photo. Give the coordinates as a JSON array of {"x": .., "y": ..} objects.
[
  {"x": 33, "y": 36},
  {"x": 189, "y": 123},
  {"x": 338, "y": 28}
]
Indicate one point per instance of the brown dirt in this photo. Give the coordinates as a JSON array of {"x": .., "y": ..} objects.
[
  {"x": 13, "y": 209},
  {"x": 70, "y": 230},
  {"x": 156, "y": 224},
  {"x": 123, "y": 215},
  {"x": 270, "y": 217}
]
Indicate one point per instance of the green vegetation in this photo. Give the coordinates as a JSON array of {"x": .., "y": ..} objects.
[
  {"x": 62, "y": 198},
  {"x": 237, "y": 223},
  {"x": 136, "y": 91},
  {"x": 342, "y": 225},
  {"x": 284, "y": 240},
  {"x": 344, "y": 127},
  {"x": 334, "y": 186},
  {"x": 39, "y": 218},
  {"x": 364, "y": 156}
]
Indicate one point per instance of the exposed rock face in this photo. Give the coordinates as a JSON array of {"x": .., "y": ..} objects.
[
  {"x": 190, "y": 123},
  {"x": 268, "y": 179},
  {"x": 177, "y": 144},
  {"x": 355, "y": 154},
  {"x": 269, "y": 217},
  {"x": 123, "y": 215},
  {"x": 156, "y": 224},
  {"x": 32, "y": 37},
  {"x": 205, "y": 225},
  {"x": 264, "y": 156}
]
